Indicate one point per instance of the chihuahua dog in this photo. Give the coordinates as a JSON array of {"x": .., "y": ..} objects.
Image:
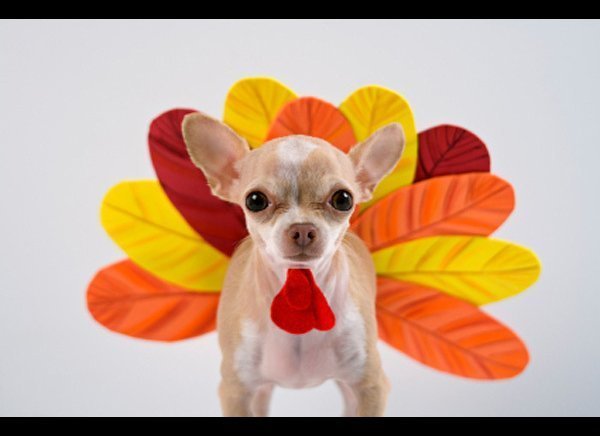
[{"x": 298, "y": 194}]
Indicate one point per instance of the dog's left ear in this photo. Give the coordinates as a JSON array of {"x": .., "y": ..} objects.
[
  {"x": 375, "y": 157},
  {"x": 215, "y": 149}
]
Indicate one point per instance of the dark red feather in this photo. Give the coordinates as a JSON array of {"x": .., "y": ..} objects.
[
  {"x": 446, "y": 149},
  {"x": 220, "y": 223}
]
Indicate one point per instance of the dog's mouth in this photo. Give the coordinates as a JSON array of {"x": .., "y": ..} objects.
[{"x": 302, "y": 257}]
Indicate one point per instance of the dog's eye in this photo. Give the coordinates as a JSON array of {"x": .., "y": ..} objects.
[
  {"x": 256, "y": 201},
  {"x": 342, "y": 200}
]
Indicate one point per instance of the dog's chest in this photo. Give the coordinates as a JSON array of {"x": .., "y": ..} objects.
[{"x": 307, "y": 360}]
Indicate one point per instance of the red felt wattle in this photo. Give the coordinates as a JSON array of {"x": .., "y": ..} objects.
[
  {"x": 297, "y": 290},
  {"x": 220, "y": 223},
  {"x": 301, "y": 306}
]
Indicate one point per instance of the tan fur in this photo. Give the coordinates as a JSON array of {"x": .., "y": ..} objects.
[
  {"x": 243, "y": 296},
  {"x": 298, "y": 174}
]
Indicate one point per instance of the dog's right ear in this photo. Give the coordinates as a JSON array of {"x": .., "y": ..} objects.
[{"x": 215, "y": 149}]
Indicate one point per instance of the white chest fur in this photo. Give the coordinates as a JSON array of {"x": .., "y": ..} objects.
[{"x": 272, "y": 355}]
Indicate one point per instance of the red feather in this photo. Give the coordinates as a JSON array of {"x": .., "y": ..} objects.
[
  {"x": 446, "y": 149},
  {"x": 220, "y": 223}
]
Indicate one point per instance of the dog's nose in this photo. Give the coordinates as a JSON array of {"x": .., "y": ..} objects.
[{"x": 302, "y": 234}]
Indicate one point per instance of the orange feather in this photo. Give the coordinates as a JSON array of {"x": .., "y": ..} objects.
[
  {"x": 446, "y": 333},
  {"x": 126, "y": 299},
  {"x": 466, "y": 204}
]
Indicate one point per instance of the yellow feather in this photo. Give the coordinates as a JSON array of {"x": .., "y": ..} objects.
[
  {"x": 140, "y": 219},
  {"x": 372, "y": 107},
  {"x": 252, "y": 104},
  {"x": 474, "y": 268}
]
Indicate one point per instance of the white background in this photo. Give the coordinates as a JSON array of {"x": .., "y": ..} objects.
[{"x": 76, "y": 99}]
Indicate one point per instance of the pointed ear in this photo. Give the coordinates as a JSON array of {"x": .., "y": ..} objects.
[
  {"x": 215, "y": 149},
  {"x": 375, "y": 157}
]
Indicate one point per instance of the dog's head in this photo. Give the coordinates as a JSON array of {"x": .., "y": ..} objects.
[{"x": 297, "y": 192}]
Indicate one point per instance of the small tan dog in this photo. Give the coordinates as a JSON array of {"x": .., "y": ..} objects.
[{"x": 297, "y": 193}]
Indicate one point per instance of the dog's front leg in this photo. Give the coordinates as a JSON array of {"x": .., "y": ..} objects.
[
  {"x": 240, "y": 399},
  {"x": 363, "y": 399},
  {"x": 261, "y": 400},
  {"x": 236, "y": 399},
  {"x": 350, "y": 404},
  {"x": 371, "y": 400},
  {"x": 371, "y": 394}
]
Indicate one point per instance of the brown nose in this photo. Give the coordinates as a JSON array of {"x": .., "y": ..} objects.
[{"x": 302, "y": 234}]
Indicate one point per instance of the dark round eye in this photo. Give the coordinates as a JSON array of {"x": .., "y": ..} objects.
[
  {"x": 256, "y": 201},
  {"x": 342, "y": 200}
]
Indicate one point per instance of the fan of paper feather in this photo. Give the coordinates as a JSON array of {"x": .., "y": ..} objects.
[{"x": 427, "y": 227}]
